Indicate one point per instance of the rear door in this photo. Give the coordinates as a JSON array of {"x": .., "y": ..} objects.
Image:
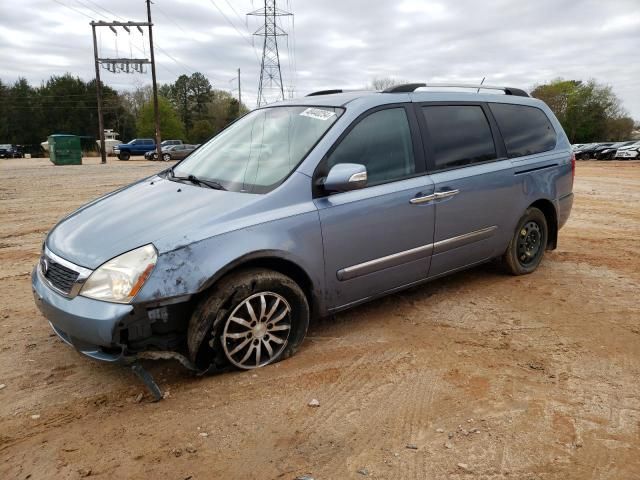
[
  {"x": 379, "y": 237},
  {"x": 474, "y": 184}
]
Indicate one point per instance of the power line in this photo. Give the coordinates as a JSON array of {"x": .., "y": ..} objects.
[
  {"x": 74, "y": 9},
  {"x": 170, "y": 18},
  {"x": 92, "y": 9},
  {"x": 103, "y": 8},
  {"x": 187, "y": 67},
  {"x": 238, "y": 31},
  {"x": 236, "y": 12}
]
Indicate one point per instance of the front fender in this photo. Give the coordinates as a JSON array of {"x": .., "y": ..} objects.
[{"x": 190, "y": 269}]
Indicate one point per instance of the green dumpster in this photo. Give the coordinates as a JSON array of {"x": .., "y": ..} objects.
[{"x": 65, "y": 149}]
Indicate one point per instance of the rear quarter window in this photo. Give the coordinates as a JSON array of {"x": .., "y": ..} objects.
[
  {"x": 526, "y": 130},
  {"x": 460, "y": 135}
]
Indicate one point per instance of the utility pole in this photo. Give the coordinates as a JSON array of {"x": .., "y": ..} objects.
[
  {"x": 125, "y": 65},
  {"x": 103, "y": 151},
  {"x": 155, "y": 85},
  {"x": 239, "y": 95},
  {"x": 270, "y": 72}
]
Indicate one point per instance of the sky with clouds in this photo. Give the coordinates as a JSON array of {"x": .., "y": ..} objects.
[{"x": 338, "y": 44}]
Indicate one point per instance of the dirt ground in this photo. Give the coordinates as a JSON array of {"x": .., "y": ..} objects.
[{"x": 477, "y": 376}]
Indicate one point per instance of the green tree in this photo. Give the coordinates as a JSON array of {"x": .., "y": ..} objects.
[
  {"x": 201, "y": 131},
  {"x": 180, "y": 99},
  {"x": 23, "y": 114},
  {"x": 588, "y": 112},
  {"x": 199, "y": 93},
  {"x": 171, "y": 127}
]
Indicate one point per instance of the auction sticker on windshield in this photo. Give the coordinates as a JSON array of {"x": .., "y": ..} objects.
[{"x": 318, "y": 113}]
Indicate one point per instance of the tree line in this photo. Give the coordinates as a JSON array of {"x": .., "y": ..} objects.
[{"x": 190, "y": 109}]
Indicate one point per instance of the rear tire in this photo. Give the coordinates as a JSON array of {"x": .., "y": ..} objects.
[
  {"x": 224, "y": 331},
  {"x": 528, "y": 244}
]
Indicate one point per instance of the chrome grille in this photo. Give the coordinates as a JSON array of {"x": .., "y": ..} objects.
[{"x": 60, "y": 276}]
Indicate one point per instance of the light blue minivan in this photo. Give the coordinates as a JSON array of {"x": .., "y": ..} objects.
[{"x": 302, "y": 209}]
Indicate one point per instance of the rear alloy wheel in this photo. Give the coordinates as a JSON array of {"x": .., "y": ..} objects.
[
  {"x": 166, "y": 157},
  {"x": 252, "y": 318},
  {"x": 528, "y": 244}
]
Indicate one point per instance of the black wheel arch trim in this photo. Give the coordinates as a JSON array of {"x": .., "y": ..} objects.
[
  {"x": 278, "y": 261},
  {"x": 550, "y": 211}
]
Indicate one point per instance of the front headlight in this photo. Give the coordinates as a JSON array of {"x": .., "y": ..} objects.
[{"x": 122, "y": 277}]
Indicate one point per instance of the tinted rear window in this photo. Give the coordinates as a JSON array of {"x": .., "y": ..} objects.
[
  {"x": 459, "y": 135},
  {"x": 525, "y": 130}
]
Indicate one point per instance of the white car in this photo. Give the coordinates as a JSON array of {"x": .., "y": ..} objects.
[{"x": 630, "y": 152}]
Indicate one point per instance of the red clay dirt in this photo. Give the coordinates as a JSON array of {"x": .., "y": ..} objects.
[{"x": 488, "y": 376}]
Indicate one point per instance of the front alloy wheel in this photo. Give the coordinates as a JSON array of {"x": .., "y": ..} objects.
[
  {"x": 250, "y": 318},
  {"x": 257, "y": 331},
  {"x": 166, "y": 157}
]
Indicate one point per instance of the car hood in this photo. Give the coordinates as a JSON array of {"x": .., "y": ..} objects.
[{"x": 155, "y": 210}]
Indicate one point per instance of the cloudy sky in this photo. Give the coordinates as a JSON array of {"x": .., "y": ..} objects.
[{"x": 339, "y": 43}]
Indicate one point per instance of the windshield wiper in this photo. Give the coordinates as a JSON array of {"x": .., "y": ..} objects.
[{"x": 197, "y": 181}]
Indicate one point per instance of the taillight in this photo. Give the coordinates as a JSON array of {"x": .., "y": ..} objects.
[{"x": 573, "y": 168}]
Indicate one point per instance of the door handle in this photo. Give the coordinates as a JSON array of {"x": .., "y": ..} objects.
[
  {"x": 422, "y": 199},
  {"x": 446, "y": 194}
]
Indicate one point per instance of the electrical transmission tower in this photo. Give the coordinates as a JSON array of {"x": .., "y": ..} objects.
[{"x": 271, "y": 88}]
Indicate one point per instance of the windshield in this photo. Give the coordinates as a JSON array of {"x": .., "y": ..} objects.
[{"x": 260, "y": 150}]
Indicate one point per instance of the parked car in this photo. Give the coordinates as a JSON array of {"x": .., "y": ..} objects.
[
  {"x": 166, "y": 143},
  {"x": 630, "y": 152},
  {"x": 153, "y": 154},
  {"x": 175, "y": 152},
  {"x": 9, "y": 151},
  {"x": 588, "y": 151},
  {"x": 137, "y": 146},
  {"x": 608, "y": 152},
  {"x": 303, "y": 209}
]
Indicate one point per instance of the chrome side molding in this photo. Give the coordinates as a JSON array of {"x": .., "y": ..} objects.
[
  {"x": 381, "y": 263},
  {"x": 462, "y": 240},
  {"x": 412, "y": 254}
]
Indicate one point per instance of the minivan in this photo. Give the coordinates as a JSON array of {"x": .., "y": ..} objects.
[{"x": 301, "y": 209}]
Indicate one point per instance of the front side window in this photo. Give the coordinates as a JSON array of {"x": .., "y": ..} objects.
[
  {"x": 259, "y": 151},
  {"x": 525, "y": 130},
  {"x": 382, "y": 143},
  {"x": 459, "y": 135}
]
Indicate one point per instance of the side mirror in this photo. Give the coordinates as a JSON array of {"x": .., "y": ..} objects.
[{"x": 344, "y": 177}]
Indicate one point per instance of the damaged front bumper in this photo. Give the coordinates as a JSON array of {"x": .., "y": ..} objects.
[
  {"x": 85, "y": 324},
  {"x": 114, "y": 332}
]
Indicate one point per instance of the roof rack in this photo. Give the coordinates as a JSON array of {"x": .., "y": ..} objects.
[
  {"x": 410, "y": 87},
  {"x": 324, "y": 92}
]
